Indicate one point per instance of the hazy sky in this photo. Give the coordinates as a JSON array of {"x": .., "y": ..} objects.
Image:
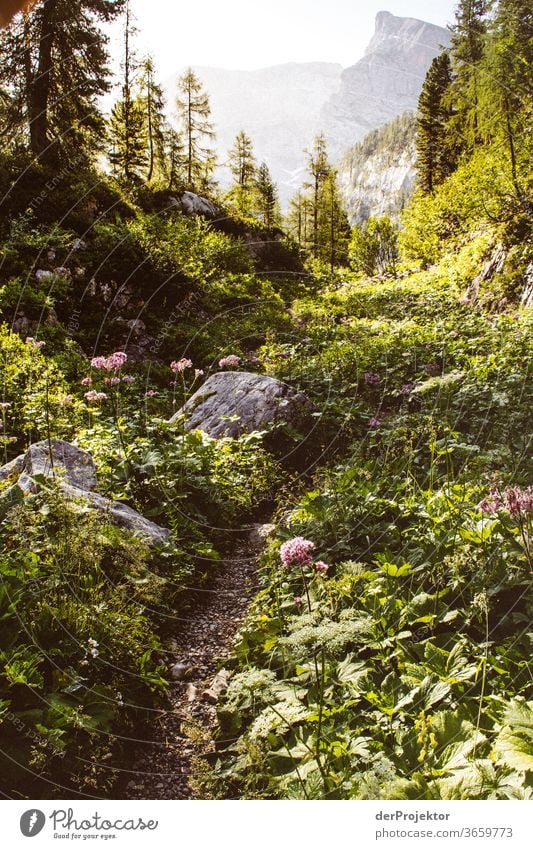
[{"x": 247, "y": 34}]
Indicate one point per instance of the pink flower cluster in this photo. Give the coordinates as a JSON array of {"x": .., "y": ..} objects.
[
  {"x": 112, "y": 363},
  {"x": 372, "y": 379},
  {"x": 374, "y": 424},
  {"x": 231, "y": 361},
  {"x": 95, "y": 396},
  {"x": 514, "y": 500},
  {"x": 434, "y": 369},
  {"x": 407, "y": 388},
  {"x": 34, "y": 344},
  {"x": 179, "y": 366},
  {"x": 297, "y": 552}
]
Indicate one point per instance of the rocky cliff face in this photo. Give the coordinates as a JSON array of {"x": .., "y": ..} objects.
[
  {"x": 377, "y": 176},
  {"x": 385, "y": 83}
]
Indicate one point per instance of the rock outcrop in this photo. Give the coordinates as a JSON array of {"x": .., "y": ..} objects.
[
  {"x": 386, "y": 82},
  {"x": 75, "y": 472},
  {"x": 232, "y": 403},
  {"x": 377, "y": 177}
]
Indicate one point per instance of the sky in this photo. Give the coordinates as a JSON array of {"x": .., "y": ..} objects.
[{"x": 247, "y": 34}]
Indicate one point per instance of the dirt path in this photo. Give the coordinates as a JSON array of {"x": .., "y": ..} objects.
[{"x": 162, "y": 765}]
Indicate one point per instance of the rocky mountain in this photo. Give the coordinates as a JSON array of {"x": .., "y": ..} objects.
[
  {"x": 377, "y": 176},
  {"x": 385, "y": 83},
  {"x": 282, "y": 108}
]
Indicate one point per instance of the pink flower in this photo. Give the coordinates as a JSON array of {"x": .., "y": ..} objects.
[
  {"x": 112, "y": 363},
  {"x": 152, "y": 394},
  {"x": 180, "y": 366},
  {"x": 112, "y": 381},
  {"x": 296, "y": 552},
  {"x": 374, "y": 424},
  {"x": 129, "y": 379},
  {"x": 372, "y": 379},
  {"x": 87, "y": 381},
  {"x": 298, "y": 600},
  {"x": 407, "y": 388},
  {"x": 95, "y": 396},
  {"x": 34, "y": 344},
  {"x": 518, "y": 500},
  {"x": 321, "y": 567},
  {"x": 5, "y": 405},
  {"x": 198, "y": 373},
  {"x": 231, "y": 361}
]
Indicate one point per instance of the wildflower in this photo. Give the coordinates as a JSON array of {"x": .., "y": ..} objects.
[
  {"x": 95, "y": 396},
  {"x": 321, "y": 567},
  {"x": 374, "y": 424},
  {"x": 99, "y": 363},
  {"x": 372, "y": 379},
  {"x": 492, "y": 503},
  {"x": 33, "y": 343},
  {"x": 518, "y": 500},
  {"x": 5, "y": 405},
  {"x": 152, "y": 394},
  {"x": 93, "y": 648},
  {"x": 112, "y": 381},
  {"x": 407, "y": 388},
  {"x": 87, "y": 381},
  {"x": 298, "y": 600},
  {"x": 198, "y": 373},
  {"x": 433, "y": 369},
  {"x": 180, "y": 366},
  {"x": 129, "y": 379},
  {"x": 296, "y": 552},
  {"x": 66, "y": 401},
  {"x": 231, "y": 361}
]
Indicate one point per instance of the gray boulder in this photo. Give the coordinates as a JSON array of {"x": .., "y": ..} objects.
[
  {"x": 76, "y": 474},
  {"x": 232, "y": 403},
  {"x": 72, "y": 465},
  {"x": 192, "y": 204}
]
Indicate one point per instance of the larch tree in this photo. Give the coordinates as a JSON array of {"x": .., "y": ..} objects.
[
  {"x": 318, "y": 168},
  {"x": 468, "y": 42},
  {"x": 153, "y": 103},
  {"x": 334, "y": 227},
  {"x": 243, "y": 167},
  {"x": 53, "y": 69},
  {"x": 194, "y": 111}
]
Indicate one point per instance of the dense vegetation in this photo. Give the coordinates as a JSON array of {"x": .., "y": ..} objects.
[{"x": 387, "y": 655}]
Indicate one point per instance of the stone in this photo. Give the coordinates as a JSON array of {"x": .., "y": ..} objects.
[
  {"x": 218, "y": 685},
  {"x": 76, "y": 473},
  {"x": 233, "y": 403},
  {"x": 179, "y": 671},
  {"x": 193, "y": 204},
  {"x": 76, "y": 467},
  {"x": 12, "y": 469}
]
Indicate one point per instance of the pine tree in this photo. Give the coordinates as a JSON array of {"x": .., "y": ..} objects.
[
  {"x": 154, "y": 111},
  {"x": 318, "y": 168},
  {"x": 127, "y": 127},
  {"x": 467, "y": 51},
  {"x": 334, "y": 227},
  {"x": 194, "y": 111},
  {"x": 53, "y": 68},
  {"x": 267, "y": 203},
  {"x": 243, "y": 167},
  {"x": 435, "y": 157}
]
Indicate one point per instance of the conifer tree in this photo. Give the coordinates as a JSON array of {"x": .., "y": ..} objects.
[
  {"x": 194, "y": 112},
  {"x": 318, "y": 168},
  {"x": 154, "y": 111},
  {"x": 267, "y": 203},
  {"x": 53, "y": 68},
  {"x": 467, "y": 51},
  {"x": 127, "y": 128},
  {"x": 173, "y": 164},
  {"x": 243, "y": 167},
  {"x": 435, "y": 158},
  {"x": 334, "y": 227}
]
